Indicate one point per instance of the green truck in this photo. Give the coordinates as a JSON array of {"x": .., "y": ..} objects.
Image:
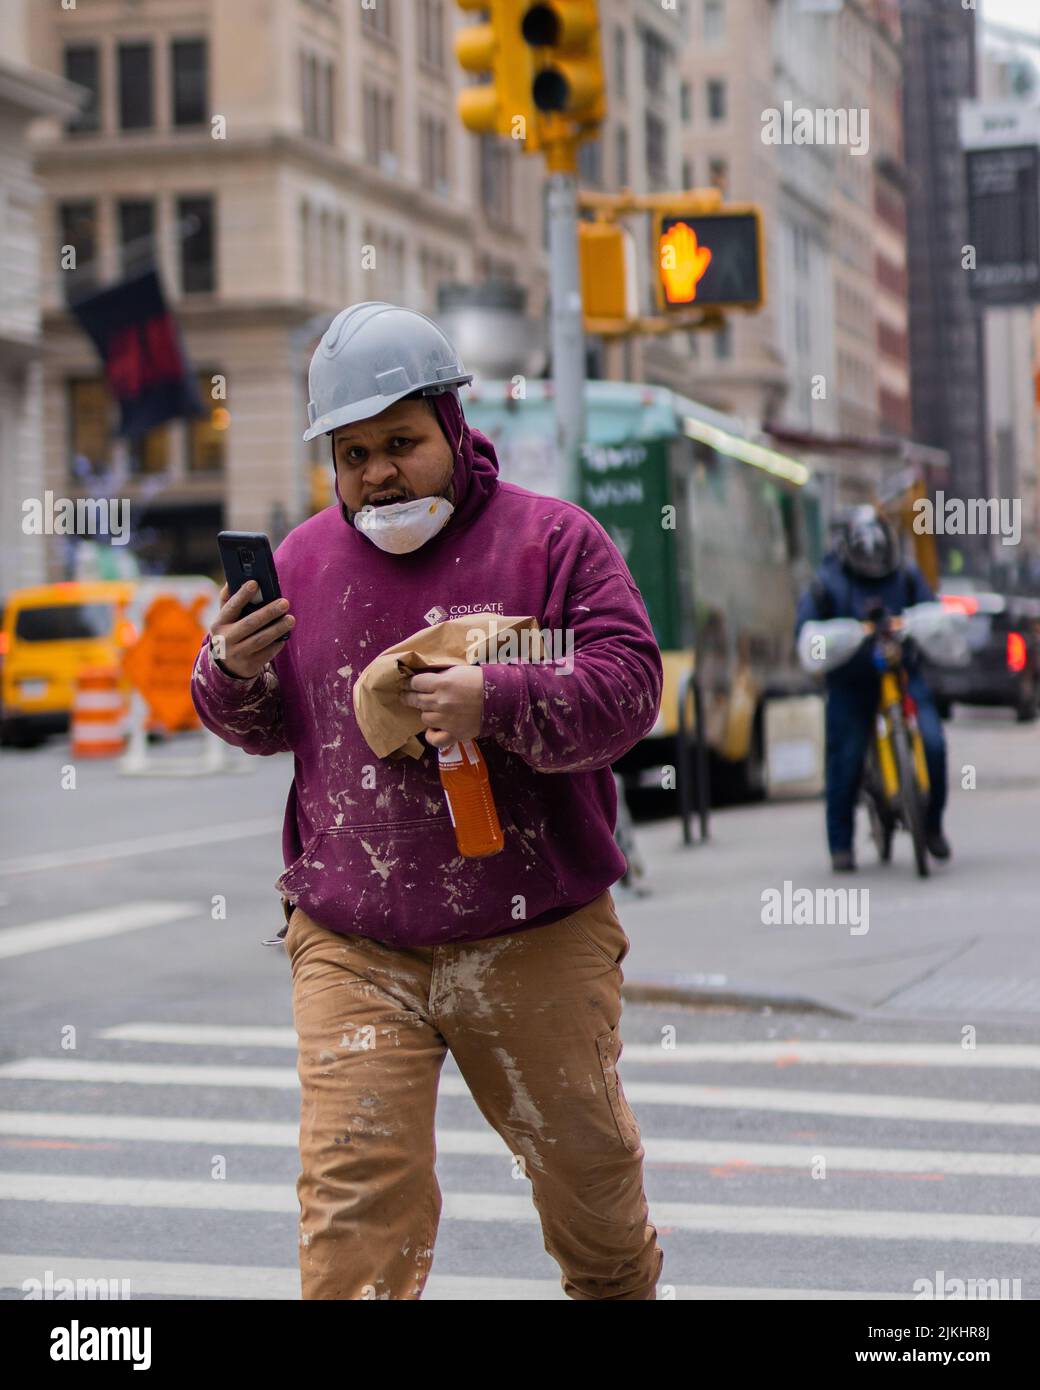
[{"x": 720, "y": 531}]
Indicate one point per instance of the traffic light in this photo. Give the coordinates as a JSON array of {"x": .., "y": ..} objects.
[
  {"x": 709, "y": 260},
  {"x": 502, "y": 106},
  {"x": 606, "y": 259},
  {"x": 568, "y": 79}
]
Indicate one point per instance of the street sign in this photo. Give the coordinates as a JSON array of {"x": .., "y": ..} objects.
[
  {"x": 710, "y": 260},
  {"x": 1003, "y": 189}
]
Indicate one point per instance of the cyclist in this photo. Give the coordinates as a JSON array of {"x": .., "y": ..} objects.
[{"x": 864, "y": 571}]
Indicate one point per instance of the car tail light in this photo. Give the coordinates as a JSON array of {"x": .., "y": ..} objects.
[{"x": 1016, "y": 651}]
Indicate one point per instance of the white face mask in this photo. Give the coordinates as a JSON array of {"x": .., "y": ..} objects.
[{"x": 404, "y": 526}]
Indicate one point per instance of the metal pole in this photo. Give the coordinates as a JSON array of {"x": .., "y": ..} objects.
[{"x": 568, "y": 338}]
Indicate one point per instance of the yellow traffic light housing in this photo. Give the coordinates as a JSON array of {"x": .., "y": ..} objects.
[
  {"x": 603, "y": 253},
  {"x": 503, "y": 106},
  {"x": 710, "y": 260},
  {"x": 568, "y": 81}
]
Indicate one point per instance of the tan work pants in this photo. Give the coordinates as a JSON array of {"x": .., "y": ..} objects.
[{"x": 531, "y": 1018}]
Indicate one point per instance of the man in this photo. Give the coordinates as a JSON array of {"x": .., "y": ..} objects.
[
  {"x": 863, "y": 572},
  {"x": 401, "y": 949}
]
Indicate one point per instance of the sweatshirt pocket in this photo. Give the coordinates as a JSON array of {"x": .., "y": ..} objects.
[{"x": 406, "y": 884}]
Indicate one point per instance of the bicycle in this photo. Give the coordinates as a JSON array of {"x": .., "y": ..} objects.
[{"x": 896, "y": 786}]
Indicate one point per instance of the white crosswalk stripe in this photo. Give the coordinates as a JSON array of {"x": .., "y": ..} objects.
[
  {"x": 669, "y": 1159},
  {"x": 89, "y": 926},
  {"x": 849, "y": 1103},
  {"x": 688, "y": 1152},
  {"x": 147, "y": 1277},
  {"x": 482, "y": 1206},
  {"x": 870, "y": 1054}
]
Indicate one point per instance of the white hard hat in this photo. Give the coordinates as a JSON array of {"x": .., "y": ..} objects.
[{"x": 371, "y": 355}]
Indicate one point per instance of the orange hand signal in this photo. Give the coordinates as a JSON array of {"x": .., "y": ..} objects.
[{"x": 683, "y": 263}]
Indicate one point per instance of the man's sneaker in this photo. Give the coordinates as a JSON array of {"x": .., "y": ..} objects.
[
  {"x": 938, "y": 845},
  {"x": 843, "y": 862}
]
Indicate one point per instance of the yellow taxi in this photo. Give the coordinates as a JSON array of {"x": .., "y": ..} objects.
[{"x": 50, "y": 633}]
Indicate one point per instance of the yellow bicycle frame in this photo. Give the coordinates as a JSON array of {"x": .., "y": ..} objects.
[{"x": 891, "y": 695}]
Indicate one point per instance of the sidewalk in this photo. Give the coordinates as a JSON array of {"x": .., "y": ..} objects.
[{"x": 964, "y": 943}]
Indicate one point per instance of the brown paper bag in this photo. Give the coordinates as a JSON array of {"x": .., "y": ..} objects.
[{"x": 390, "y": 727}]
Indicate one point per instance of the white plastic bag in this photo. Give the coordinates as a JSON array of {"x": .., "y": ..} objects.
[
  {"x": 940, "y": 632},
  {"x": 822, "y": 646}
]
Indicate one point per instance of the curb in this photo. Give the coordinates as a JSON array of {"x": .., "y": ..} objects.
[{"x": 665, "y": 991}]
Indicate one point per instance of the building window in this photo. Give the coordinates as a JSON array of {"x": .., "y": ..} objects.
[
  {"x": 685, "y": 102},
  {"x": 718, "y": 175},
  {"x": 82, "y": 66},
  {"x": 376, "y": 21},
  {"x": 306, "y": 274},
  {"x": 716, "y": 100},
  {"x": 378, "y": 128},
  {"x": 317, "y": 97},
  {"x": 207, "y": 434},
  {"x": 197, "y": 245},
  {"x": 724, "y": 341},
  {"x": 328, "y": 104},
  {"x": 431, "y": 34},
  {"x": 801, "y": 326},
  {"x": 77, "y": 228},
  {"x": 687, "y": 173},
  {"x": 309, "y": 92},
  {"x": 433, "y": 154},
  {"x": 655, "y": 57},
  {"x": 188, "y": 78},
  {"x": 622, "y": 156},
  {"x": 89, "y": 408},
  {"x": 620, "y": 62},
  {"x": 496, "y": 180},
  {"x": 150, "y": 453},
  {"x": 136, "y": 236},
  {"x": 714, "y": 21},
  {"x": 590, "y": 163},
  {"x": 341, "y": 258},
  {"x": 135, "y": 86},
  {"x": 656, "y": 149}
]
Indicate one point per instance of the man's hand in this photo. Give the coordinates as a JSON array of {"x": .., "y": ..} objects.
[
  {"x": 451, "y": 702},
  {"x": 237, "y": 642}
]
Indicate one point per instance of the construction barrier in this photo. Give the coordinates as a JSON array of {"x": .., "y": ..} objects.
[
  {"x": 172, "y": 614},
  {"x": 98, "y": 727}
]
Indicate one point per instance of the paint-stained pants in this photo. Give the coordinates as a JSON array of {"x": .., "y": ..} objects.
[{"x": 531, "y": 1018}]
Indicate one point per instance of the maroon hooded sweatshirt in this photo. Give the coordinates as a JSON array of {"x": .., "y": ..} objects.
[{"x": 368, "y": 844}]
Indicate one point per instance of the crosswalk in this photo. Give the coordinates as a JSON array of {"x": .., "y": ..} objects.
[{"x": 752, "y": 1168}]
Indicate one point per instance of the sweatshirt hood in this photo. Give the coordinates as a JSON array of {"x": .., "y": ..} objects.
[{"x": 475, "y": 473}]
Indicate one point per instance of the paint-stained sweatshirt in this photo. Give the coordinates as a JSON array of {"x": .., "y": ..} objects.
[{"x": 368, "y": 844}]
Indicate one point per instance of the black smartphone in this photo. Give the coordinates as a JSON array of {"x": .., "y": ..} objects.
[{"x": 247, "y": 555}]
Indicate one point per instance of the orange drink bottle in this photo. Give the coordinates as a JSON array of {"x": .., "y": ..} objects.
[{"x": 467, "y": 790}]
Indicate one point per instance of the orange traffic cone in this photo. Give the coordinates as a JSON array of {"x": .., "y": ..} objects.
[{"x": 98, "y": 713}]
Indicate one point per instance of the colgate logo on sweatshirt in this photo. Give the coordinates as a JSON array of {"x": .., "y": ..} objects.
[{"x": 437, "y": 614}]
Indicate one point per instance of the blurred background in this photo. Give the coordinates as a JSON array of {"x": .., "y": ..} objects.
[
  {"x": 276, "y": 160},
  {"x": 190, "y": 190}
]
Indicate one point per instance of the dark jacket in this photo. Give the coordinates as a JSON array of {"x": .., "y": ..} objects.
[{"x": 837, "y": 593}]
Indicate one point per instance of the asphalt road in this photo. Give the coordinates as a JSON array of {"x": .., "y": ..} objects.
[{"x": 183, "y": 1050}]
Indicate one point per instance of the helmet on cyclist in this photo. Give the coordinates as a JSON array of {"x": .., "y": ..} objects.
[
  {"x": 868, "y": 544},
  {"x": 372, "y": 355}
]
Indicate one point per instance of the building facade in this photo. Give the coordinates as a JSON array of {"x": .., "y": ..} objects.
[
  {"x": 276, "y": 159},
  {"x": 25, "y": 95},
  {"x": 947, "y": 374}
]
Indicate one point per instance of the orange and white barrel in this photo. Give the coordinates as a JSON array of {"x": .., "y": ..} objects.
[{"x": 98, "y": 713}]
